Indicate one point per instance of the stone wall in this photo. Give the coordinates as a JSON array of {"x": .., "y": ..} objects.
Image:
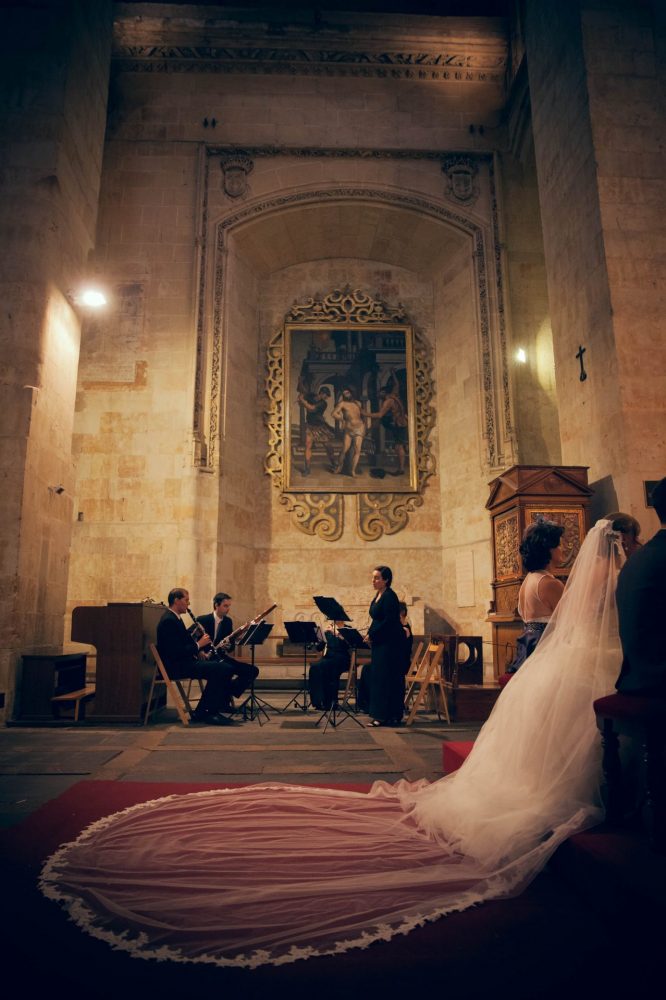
[
  {"x": 52, "y": 134},
  {"x": 594, "y": 85},
  {"x": 535, "y": 402}
]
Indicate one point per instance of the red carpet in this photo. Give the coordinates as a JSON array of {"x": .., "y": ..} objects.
[{"x": 534, "y": 946}]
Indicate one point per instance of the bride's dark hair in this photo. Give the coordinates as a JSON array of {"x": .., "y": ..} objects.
[{"x": 538, "y": 542}]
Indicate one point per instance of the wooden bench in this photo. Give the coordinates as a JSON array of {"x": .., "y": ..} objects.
[{"x": 79, "y": 698}]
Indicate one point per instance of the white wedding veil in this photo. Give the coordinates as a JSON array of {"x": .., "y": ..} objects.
[
  {"x": 274, "y": 873},
  {"x": 534, "y": 770}
]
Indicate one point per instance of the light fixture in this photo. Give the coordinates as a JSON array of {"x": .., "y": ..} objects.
[
  {"x": 521, "y": 355},
  {"x": 93, "y": 298},
  {"x": 88, "y": 297}
]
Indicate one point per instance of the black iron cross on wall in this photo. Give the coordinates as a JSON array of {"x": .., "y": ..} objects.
[{"x": 581, "y": 352}]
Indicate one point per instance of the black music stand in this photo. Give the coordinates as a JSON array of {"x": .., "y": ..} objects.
[
  {"x": 253, "y": 707},
  {"x": 302, "y": 634},
  {"x": 337, "y": 713},
  {"x": 330, "y": 609}
]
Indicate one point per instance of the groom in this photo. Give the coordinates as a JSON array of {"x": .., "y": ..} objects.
[{"x": 641, "y": 605}]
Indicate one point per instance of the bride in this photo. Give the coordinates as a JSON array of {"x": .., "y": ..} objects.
[{"x": 333, "y": 870}]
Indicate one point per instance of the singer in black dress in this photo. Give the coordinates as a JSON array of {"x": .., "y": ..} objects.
[{"x": 386, "y": 682}]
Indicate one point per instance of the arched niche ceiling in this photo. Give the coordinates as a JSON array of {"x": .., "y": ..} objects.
[{"x": 392, "y": 235}]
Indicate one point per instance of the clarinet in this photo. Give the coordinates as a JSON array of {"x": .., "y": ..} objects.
[
  {"x": 196, "y": 629},
  {"x": 225, "y": 643}
]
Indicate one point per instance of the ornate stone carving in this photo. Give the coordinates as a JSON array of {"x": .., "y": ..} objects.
[
  {"x": 323, "y": 514},
  {"x": 319, "y": 514},
  {"x": 495, "y": 399},
  {"x": 235, "y": 169},
  {"x": 462, "y": 181},
  {"x": 345, "y": 307},
  {"x": 384, "y": 513}
]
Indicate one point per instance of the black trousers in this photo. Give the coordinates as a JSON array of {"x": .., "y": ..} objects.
[{"x": 225, "y": 678}]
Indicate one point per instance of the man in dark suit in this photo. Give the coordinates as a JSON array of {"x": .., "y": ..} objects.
[
  {"x": 641, "y": 605},
  {"x": 218, "y": 626},
  {"x": 183, "y": 656}
]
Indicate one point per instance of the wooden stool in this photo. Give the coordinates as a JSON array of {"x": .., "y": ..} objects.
[{"x": 642, "y": 719}]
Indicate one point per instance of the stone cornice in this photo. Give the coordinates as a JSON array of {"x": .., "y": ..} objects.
[
  {"x": 165, "y": 38},
  {"x": 347, "y": 152}
]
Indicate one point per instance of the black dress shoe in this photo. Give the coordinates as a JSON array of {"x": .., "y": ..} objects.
[
  {"x": 219, "y": 720},
  {"x": 211, "y": 719}
]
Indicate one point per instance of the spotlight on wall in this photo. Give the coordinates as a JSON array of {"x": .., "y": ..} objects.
[
  {"x": 521, "y": 355},
  {"x": 89, "y": 297},
  {"x": 94, "y": 298}
]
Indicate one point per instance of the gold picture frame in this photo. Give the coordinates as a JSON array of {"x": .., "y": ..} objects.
[
  {"x": 349, "y": 321},
  {"x": 349, "y": 407}
]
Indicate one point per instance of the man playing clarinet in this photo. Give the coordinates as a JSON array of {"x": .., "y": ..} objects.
[
  {"x": 218, "y": 626},
  {"x": 184, "y": 656}
]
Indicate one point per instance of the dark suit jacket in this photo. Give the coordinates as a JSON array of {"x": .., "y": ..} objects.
[
  {"x": 226, "y": 628},
  {"x": 175, "y": 645},
  {"x": 641, "y": 605}
]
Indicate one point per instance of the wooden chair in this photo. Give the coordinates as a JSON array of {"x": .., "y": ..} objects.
[
  {"x": 426, "y": 687},
  {"x": 173, "y": 687},
  {"x": 412, "y": 672}
]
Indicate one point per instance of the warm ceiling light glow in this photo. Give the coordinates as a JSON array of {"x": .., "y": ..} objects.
[
  {"x": 93, "y": 298},
  {"x": 521, "y": 355}
]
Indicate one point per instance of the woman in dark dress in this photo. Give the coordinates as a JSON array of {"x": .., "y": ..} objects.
[{"x": 387, "y": 643}]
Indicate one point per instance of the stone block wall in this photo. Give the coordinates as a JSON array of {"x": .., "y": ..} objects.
[
  {"x": 52, "y": 129},
  {"x": 595, "y": 74}
]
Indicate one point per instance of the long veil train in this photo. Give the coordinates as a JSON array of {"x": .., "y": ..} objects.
[{"x": 334, "y": 870}]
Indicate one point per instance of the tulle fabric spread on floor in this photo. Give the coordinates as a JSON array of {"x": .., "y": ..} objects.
[{"x": 274, "y": 873}]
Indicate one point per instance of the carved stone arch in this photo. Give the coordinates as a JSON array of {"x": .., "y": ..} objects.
[{"x": 497, "y": 418}]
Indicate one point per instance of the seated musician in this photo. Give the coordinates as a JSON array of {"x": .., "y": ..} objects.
[
  {"x": 324, "y": 674},
  {"x": 218, "y": 626},
  {"x": 183, "y": 656}
]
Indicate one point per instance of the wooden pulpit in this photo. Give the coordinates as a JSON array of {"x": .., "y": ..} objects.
[{"x": 517, "y": 498}]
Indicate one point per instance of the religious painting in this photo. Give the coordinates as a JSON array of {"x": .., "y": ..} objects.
[{"x": 349, "y": 409}]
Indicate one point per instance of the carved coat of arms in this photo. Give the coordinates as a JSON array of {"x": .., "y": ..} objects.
[
  {"x": 235, "y": 169},
  {"x": 462, "y": 181}
]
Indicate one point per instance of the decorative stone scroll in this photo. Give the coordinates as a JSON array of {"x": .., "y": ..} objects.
[{"x": 322, "y": 513}]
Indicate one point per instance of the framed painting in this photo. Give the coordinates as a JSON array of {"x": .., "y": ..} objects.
[{"x": 349, "y": 407}]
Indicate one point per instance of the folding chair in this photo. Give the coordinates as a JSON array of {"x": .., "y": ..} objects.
[
  {"x": 412, "y": 671},
  {"x": 427, "y": 685},
  {"x": 174, "y": 688}
]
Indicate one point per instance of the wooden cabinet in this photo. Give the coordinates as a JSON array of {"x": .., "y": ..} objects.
[
  {"x": 517, "y": 498},
  {"x": 42, "y": 677}
]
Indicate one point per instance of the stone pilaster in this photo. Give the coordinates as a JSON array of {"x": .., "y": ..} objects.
[{"x": 52, "y": 128}]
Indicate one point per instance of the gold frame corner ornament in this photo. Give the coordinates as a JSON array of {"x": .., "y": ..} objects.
[{"x": 321, "y": 511}]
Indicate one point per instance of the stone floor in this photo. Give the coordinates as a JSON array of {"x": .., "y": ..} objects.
[{"x": 38, "y": 764}]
